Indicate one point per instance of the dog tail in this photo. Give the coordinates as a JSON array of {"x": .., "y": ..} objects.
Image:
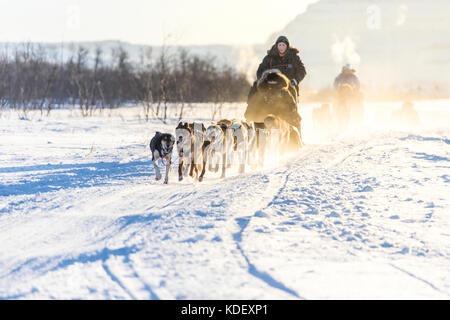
[{"x": 152, "y": 144}]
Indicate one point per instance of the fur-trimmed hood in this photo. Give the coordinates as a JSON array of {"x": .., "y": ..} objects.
[
  {"x": 290, "y": 51},
  {"x": 275, "y": 75}
]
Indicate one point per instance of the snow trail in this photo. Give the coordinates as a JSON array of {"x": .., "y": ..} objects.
[{"x": 360, "y": 215}]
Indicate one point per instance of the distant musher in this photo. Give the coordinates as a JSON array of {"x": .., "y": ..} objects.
[
  {"x": 348, "y": 108},
  {"x": 347, "y": 76}
]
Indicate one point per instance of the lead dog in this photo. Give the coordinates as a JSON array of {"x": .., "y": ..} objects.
[{"x": 161, "y": 147}]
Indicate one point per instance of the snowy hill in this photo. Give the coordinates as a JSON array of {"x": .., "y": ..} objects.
[
  {"x": 361, "y": 215},
  {"x": 391, "y": 42},
  {"x": 224, "y": 54}
]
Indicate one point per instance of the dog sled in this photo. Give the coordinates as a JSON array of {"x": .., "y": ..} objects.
[
  {"x": 273, "y": 96},
  {"x": 272, "y": 125}
]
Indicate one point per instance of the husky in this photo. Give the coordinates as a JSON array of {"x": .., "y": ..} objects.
[
  {"x": 256, "y": 143},
  {"x": 213, "y": 149},
  {"x": 225, "y": 125},
  {"x": 289, "y": 137},
  {"x": 189, "y": 146},
  {"x": 161, "y": 147},
  {"x": 239, "y": 133},
  {"x": 262, "y": 141}
]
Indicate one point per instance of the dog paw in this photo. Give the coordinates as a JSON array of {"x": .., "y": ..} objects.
[
  {"x": 157, "y": 178},
  {"x": 166, "y": 181},
  {"x": 200, "y": 179},
  {"x": 180, "y": 178}
]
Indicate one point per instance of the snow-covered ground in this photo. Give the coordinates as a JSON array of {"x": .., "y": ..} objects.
[{"x": 365, "y": 214}]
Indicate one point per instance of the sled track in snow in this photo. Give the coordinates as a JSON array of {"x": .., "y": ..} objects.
[
  {"x": 243, "y": 222},
  {"x": 264, "y": 276},
  {"x": 119, "y": 280},
  {"x": 229, "y": 232},
  {"x": 115, "y": 279},
  {"x": 417, "y": 278}
]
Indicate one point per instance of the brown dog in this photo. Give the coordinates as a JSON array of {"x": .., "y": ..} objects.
[
  {"x": 288, "y": 136},
  {"x": 189, "y": 144}
]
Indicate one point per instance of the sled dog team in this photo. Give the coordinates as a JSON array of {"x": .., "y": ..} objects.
[{"x": 222, "y": 144}]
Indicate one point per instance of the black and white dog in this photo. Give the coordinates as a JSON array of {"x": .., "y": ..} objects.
[
  {"x": 213, "y": 149},
  {"x": 161, "y": 147}
]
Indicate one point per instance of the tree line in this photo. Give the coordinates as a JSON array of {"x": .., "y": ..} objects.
[{"x": 34, "y": 78}]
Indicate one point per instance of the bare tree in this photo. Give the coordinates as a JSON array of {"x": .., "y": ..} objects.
[
  {"x": 31, "y": 77},
  {"x": 145, "y": 80}
]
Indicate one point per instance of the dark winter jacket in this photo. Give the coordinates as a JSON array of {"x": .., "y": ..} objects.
[{"x": 289, "y": 64}]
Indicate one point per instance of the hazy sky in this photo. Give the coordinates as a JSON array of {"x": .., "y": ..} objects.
[{"x": 147, "y": 21}]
